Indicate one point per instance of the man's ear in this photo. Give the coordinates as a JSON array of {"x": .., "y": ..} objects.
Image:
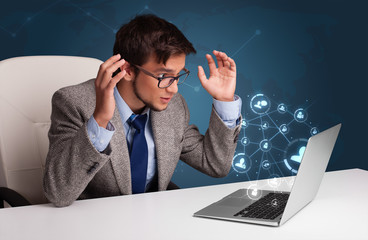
[{"x": 130, "y": 75}]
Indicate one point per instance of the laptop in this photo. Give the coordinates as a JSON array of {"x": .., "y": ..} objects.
[{"x": 274, "y": 208}]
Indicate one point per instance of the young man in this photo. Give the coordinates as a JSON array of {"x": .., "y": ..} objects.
[{"x": 125, "y": 131}]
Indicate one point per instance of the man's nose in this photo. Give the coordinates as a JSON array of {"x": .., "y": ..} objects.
[{"x": 173, "y": 88}]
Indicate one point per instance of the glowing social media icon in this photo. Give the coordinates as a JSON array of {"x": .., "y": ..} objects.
[
  {"x": 265, "y": 125},
  {"x": 244, "y": 123},
  {"x": 254, "y": 192},
  {"x": 274, "y": 181},
  {"x": 281, "y": 108},
  {"x": 245, "y": 141},
  {"x": 274, "y": 203},
  {"x": 260, "y": 104},
  {"x": 300, "y": 115},
  {"x": 284, "y": 129},
  {"x": 265, "y": 145},
  {"x": 241, "y": 163},
  {"x": 314, "y": 131},
  {"x": 298, "y": 158}
]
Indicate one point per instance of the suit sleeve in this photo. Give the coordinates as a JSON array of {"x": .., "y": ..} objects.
[
  {"x": 212, "y": 153},
  {"x": 72, "y": 160}
]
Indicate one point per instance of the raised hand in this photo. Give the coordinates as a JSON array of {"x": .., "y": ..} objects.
[
  {"x": 105, "y": 83},
  {"x": 222, "y": 81}
]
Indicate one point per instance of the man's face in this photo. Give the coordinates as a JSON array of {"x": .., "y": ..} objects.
[{"x": 146, "y": 87}]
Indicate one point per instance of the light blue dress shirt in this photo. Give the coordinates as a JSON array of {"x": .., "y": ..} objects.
[{"x": 100, "y": 137}]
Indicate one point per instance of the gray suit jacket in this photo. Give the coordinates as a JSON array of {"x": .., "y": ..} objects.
[{"x": 76, "y": 170}]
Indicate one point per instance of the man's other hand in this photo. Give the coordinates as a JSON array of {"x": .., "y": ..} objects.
[
  {"x": 222, "y": 81},
  {"x": 105, "y": 83}
]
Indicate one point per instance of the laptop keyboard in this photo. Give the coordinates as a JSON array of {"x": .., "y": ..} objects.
[{"x": 268, "y": 207}]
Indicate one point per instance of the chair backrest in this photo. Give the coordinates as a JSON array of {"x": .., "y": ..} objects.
[{"x": 26, "y": 87}]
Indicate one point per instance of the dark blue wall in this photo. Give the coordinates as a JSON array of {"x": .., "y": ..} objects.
[{"x": 306, "y": 54}]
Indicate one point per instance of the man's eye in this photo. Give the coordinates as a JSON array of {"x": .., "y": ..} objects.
[{"x": 161, "y": 75}]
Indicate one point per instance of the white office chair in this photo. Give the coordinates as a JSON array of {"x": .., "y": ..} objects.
[{"x": 26, "y": 87}]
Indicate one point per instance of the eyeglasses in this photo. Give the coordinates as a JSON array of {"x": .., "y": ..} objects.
[{"x": 166, "y": 81}]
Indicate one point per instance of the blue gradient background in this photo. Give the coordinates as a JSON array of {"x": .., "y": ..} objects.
[{"x": 310, "y": 54}]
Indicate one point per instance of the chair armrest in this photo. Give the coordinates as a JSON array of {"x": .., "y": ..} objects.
[{"x": 13, "y": 198}]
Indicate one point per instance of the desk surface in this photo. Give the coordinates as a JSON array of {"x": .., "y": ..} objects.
[{"x": 168, "y": 215}]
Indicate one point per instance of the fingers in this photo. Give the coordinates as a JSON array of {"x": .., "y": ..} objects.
[
  {"x": 115, "y": 80},
  {"x": 218, "y": 58},
  {"x": 232, "y": 64},
  {"x": 104, "y": 66},
  {"x": 111, "y": 60},
  {"x": 202, "y": 76},
  {"x": 223, "y": 59},
  {"x": 108, "y": 70},
  {"x": 211, "y": 64}
]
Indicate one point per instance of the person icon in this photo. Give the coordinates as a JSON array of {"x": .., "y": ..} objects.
[
  {"x": 254, "y": 192},
  {"x": 245, "y": 141},
  {"x": 314, "y": 131},
  {"x": 274, "y": 181},
  {"x": 265, "y": 145},
  {"x": 241, "y": 163},
  {"x": 281, "y": 108},
  {"x": 244, "y": 123},
  {"x": 274, "y": 203},
  {"x": 300, "y": 115},
  {"x": 265, "y": 125},
  {"x": 284, "y": 129},
  {"x": 258, "y": 104},
  {"x": 261, "y": 104}
]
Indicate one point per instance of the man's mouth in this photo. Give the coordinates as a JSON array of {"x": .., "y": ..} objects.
[{"x": 165, "y": 99}]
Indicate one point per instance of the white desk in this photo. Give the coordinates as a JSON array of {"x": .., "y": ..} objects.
[{"x": 168, "y": 215}]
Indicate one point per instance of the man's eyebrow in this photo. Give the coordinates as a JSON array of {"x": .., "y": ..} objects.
[{"x": 168, "y": 70}]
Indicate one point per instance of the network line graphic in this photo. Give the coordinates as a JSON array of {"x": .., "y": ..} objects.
[
  {"x": 273, "y": 135},
  {"x": 88, "y": 13},
  {"x": 272, "y": 141},
  {"x": 14, "y": 32}
]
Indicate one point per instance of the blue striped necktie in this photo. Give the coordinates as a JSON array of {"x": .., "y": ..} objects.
[{"x": 138, "y": 154}]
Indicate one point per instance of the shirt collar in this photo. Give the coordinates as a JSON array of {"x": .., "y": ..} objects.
[{"x": 124, "y": 109}]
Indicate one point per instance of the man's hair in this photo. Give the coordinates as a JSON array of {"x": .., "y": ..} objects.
[{"x": 147, "y": 34}]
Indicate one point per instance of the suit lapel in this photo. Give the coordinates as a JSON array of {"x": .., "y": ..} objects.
[
  {"x": 120, "y": 158},
  {"x": 165, "y": 147}
]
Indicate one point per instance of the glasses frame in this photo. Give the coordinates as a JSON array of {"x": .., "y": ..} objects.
[{"x": 162, "y": 78}]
